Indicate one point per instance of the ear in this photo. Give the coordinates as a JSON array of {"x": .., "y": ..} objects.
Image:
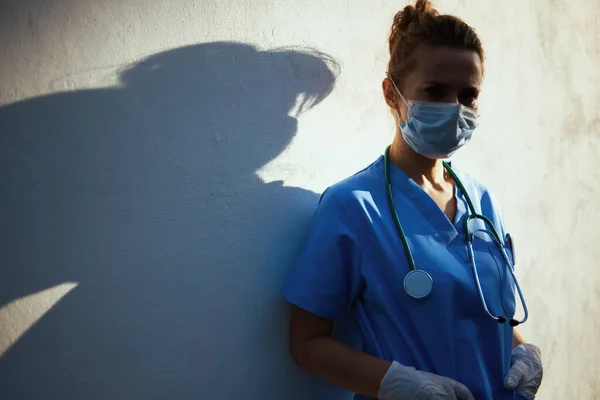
[{"x": 389, "y": 93}]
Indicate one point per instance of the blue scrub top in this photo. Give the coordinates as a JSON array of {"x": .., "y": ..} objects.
[{"x": 353, "y": 259}]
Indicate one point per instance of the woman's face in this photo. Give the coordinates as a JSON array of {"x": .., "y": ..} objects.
[{"x": 439, "y": 74}]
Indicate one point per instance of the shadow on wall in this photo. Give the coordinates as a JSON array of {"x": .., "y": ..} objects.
[{"x": 146, "y": 196}]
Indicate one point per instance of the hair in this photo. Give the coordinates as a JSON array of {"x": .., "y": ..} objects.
[{"x": 420, "y": 25}]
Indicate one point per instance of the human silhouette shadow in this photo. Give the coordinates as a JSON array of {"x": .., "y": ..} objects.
[{"x": 147, "y": 196}]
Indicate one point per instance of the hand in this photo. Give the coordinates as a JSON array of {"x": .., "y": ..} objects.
[
  {"x": 526, "y": 371},
  {"x": 406, "y": 383}
]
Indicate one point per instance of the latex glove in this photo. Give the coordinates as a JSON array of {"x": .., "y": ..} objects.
[
  {"x": 526, "y": 371},
  {"x": 406, "y": 383}
]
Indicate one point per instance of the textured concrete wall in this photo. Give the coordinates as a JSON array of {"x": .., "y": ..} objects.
[{"x": 157, "y": 173}]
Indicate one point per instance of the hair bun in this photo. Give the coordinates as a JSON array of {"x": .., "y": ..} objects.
[
  {"x": 411, "y": 14},
  {"x": 425, "y": 7},
  {"x": 407, "y": 16}
]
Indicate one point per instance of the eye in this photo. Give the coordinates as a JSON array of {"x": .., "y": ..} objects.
[
  {"x": 468, "y": 98},
  {"x": 435, "y": 93}
]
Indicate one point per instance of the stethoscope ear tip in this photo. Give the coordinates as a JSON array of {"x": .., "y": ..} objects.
[{"x": 513, "y": 322}]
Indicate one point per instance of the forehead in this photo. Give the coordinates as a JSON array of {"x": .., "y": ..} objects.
[{"x": 454, "y": 67}]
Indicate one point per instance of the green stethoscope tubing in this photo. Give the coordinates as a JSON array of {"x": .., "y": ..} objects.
[{"x": 469, "y": 237}]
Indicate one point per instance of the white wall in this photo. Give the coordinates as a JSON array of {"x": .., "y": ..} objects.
[{"x": 156, "y": 184}]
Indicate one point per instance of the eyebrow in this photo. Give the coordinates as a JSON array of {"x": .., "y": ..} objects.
[
  {"x": 436, "y": 83},
  {"x": 473, "y": 89}
]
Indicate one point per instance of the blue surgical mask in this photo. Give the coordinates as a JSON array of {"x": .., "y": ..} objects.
[{"x": 437, "y": 130}]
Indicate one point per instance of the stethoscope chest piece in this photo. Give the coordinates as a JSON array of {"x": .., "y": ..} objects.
[{"x": 418, "y": 284}]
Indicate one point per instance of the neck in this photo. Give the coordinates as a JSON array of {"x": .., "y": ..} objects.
[{"x": 423, "y": 170}]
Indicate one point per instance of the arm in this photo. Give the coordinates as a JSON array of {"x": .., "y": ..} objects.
[
  {"x": 517, "y": 339},
  {"x": 314, "y": 349},
  {"x": 324, "y": 280}
]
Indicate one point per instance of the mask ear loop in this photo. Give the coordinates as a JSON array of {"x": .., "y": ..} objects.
[
  {"x": 398, "y": 91},
  {"x": 401, "y": 97}
]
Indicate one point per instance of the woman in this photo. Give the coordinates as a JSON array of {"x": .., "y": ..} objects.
[{"x": 389, "y": 244}]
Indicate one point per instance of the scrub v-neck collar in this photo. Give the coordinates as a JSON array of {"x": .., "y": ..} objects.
[{"x": 403, "y": 185}]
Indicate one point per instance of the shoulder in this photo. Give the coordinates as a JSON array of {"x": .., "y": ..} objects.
[
  {"x": 479, "y": 191},
  {"x": 348, "y": 192},
  {"x": 482, "y": 195}
]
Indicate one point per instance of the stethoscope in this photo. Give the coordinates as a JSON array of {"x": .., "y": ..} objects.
[{"x": 418, "y": 283}]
